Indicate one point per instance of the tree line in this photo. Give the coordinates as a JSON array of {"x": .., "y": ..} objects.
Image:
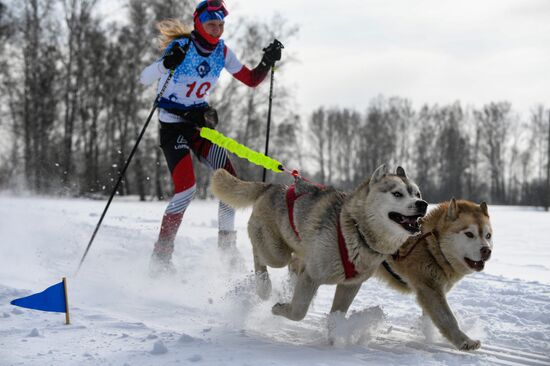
[
  {"x": 486, "y": 153},
  {"x": 71, "y": 107}
]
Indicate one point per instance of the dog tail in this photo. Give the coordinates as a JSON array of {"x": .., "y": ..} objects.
[{"x": 235, "y": 192}]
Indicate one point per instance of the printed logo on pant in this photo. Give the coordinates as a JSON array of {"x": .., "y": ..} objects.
[{"x": 181, "y": 143}]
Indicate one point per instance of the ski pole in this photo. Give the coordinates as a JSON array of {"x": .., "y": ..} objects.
[
  {"x": 277, "y": 45},
  {"x": 134, "y": 149}
]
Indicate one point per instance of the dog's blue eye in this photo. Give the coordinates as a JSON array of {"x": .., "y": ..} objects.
[
  {"x": 469, "y": 234},
  {"x": 397, "y": 194}
]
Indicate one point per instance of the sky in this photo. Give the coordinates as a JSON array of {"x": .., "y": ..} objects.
[{"x": 430, "y": 51}]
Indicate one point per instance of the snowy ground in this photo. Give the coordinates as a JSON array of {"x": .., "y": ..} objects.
[{"x": 209, "y": 315}]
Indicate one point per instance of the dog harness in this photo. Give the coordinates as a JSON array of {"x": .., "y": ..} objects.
[
  {"x": 398, "y": 257},
  {"x": 349, "y": 268},
  {"x": 291, "y": 197}
]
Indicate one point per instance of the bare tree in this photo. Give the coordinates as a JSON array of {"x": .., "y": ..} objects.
[
  {"x": 77, "y": 16},
  {"x": 377, "y": 140},
  {"x": 548, "y": 164},
  {"x": 7, "y": 84},
  {"x": 166, "y": 9},
  {"x": 425, "y": 159},
  {"x": 318, "y": 124},
  {"x": 477, "y": 190},
  {"x": 136, "y": 44},
  {"x": 452, "y": 149},
  {"x": 334, "y": 134},
  {"x": 537, "y": 140},
  {"x": 495, "y": 121},
  {"x": 540, "y": 145},
  {"x": 91, "y": 102},
  {"x": 5, "y": 25},
  {"x": 402, "y": 115},
  {"x": 346, "y": 133},
  {"x": 38, "y": 94}
]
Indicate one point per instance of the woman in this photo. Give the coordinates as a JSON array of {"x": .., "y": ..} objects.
[{"x": 196, "y": 59}]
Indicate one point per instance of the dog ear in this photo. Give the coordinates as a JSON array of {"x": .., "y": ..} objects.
[
  {"x": 484, "y": 208},
  {"x": 401, "y": 172},
  {"x": 452, "y": 211},
  {"x": 379, "y": 173}
]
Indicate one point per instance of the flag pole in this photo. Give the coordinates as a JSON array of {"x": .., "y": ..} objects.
[{"x": 67, "y": 319}]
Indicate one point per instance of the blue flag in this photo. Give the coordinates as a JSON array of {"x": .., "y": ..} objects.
[{"x": 51, "y": 299}]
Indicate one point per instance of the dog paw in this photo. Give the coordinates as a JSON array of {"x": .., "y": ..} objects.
[
  {"x": 469, "y": 345},
  {"x": 263, "y": 285}
]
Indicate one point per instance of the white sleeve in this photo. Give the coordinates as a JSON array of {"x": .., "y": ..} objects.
[
  {"x": 232, "y": 63},
  {"x": 152, "y": 73}
]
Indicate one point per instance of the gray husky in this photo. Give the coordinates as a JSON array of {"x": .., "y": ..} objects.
[{"x": 337, "y": 238}]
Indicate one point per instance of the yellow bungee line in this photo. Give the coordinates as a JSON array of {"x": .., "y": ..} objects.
[{"x": 240, "y": 150}]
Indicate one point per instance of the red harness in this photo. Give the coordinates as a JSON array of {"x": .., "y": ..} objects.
[
  {"x": 291, "y": 197},
  {"x": 349, "y": 268}
]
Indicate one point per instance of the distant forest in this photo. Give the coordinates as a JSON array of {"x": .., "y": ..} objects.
[{"x": 71, "y": 107}]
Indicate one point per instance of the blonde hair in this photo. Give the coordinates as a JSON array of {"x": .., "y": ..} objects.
[{"x": 171, "y": 29}]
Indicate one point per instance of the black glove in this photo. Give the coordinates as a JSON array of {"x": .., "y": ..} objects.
[
  {"x": 174, "y": 57},
  {"x": 202, "y": 117},
  {"x": 210, "y": 117},
  {"x": 272, "y": 53}
]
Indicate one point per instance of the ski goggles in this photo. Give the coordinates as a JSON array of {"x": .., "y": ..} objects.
[{"x": 211, "y": 5}]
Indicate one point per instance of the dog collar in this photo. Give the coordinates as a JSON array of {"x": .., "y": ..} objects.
[
  {"x": 394, "y": 274},
  {"x": 397, "y": 255},
  {"x": 364, "y": 239},
  {"x": 349, "y": 267}
]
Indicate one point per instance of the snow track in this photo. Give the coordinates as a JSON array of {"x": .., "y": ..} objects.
[
  {"x": 209, "y": 314},
  {"x": 399, "y": 340},
  {"x": 493, "y": 354}
]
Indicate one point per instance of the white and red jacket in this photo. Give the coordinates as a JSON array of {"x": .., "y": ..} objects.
[{"x": 195, "y": 77}]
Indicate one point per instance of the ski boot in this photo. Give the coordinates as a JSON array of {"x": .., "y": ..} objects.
[
  {"x": 161, "y": 264},
  {"x": 161, "y": 259}
]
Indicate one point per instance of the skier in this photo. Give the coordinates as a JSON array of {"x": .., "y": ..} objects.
[{"x": 183, "y": 109}]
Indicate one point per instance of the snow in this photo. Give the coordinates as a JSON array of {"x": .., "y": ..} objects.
[{"x": 208, "y": 314}]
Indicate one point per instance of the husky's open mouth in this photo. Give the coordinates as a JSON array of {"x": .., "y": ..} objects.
[
  {"x": 475, "y": 265},
  {"x": 409, "y": 223}
]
